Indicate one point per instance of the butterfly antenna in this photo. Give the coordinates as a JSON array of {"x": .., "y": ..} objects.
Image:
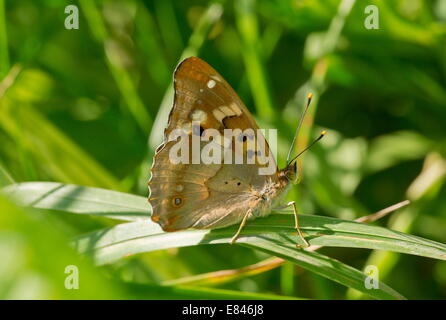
[
  {"x": 323, "y": 133},
  {"x": 309, "y": 97}
]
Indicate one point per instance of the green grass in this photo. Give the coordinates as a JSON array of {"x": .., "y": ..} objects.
[
  {"x": 274, "y": 235},
  {"x": 81, "y": 112}
]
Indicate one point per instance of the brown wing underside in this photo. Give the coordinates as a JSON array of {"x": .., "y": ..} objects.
[{"x": 200, "y": 195}]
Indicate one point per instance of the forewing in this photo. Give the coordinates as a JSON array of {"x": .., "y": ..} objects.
[{"x": 202, "y": 195}]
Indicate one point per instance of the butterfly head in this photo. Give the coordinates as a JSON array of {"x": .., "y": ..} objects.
[{"x": 290, "y": 172}]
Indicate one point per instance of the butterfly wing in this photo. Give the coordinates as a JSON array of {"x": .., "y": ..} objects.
[{"x": 202, "y": 195}]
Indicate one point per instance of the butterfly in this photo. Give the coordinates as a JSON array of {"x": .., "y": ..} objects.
[{"x": 214, "y": 195}]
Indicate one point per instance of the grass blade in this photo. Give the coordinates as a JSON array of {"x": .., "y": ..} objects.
[
  {"x": 108, "y": 245},
  {"x": 80, "y": 200},
  {"x": 247, "y": 26},
  {"x": 328, "y": 268},
  {"x": 5, "y": 177},
  {"x": 147, "y": 236}
]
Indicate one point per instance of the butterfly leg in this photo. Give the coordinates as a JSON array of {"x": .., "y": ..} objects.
[
  {"x": 296, "y": 219},
  {"x": 242, "y": 224}
]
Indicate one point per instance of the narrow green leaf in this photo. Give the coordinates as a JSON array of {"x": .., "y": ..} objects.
[
  {"x": 318, "y": 230},
  {"x": 327, "y": 267},
  {"x": 247, "y": 26},
  {"x": 5, "y": 177},
  {"x": 81, "y": 200},
  {"x": 109, "y": 245}
]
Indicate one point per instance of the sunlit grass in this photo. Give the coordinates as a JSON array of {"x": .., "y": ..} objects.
[{"x": 380, "y": 94}]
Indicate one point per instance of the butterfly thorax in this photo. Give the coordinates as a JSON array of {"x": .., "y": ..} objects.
[{"x": 272, "y": 194}]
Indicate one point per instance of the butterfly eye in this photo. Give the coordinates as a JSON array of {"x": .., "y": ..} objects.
[{"x": 291, "y": 171}]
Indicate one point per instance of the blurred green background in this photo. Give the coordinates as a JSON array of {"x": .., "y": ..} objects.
[{"x": 88, "y": 107}]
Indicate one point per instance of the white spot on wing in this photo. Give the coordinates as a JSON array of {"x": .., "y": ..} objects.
[
  {"x": 227, "y": 111},
  {"x": 211, "y": 84},
  {"x": 235, "y": 108},
  {"x": 218, "y": 115},
  {"x": 199, "y": 115}
]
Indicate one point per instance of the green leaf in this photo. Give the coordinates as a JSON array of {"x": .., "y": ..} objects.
[
  {"x": 81, "y": 200},
  {"x": 5, "y": 177},
  {"x": 124, "y": 240},
  {"x": 318, "y": 230},
  {"x": 274, "y": 234},
  {"x": 247, "y": 26},
  {"x": 327, "y": 267}
]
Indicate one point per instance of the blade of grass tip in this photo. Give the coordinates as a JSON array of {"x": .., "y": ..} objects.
[
  {"x": 9, "y": 80},
  {"x": 270, "y": 39},
  {"x": 4, "y": 55},
  {"x": 120, "y": 74},
  {"x": 212, "y": 14},
  {"x": 79, "y": 200},
  {"x": 327, "y": 267},
  {"x": 383, "y": 212},
  {"x": 5, "y": 177},
  {"x": 223, "y": 276},
  {"x": 247, "y": 26}
]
